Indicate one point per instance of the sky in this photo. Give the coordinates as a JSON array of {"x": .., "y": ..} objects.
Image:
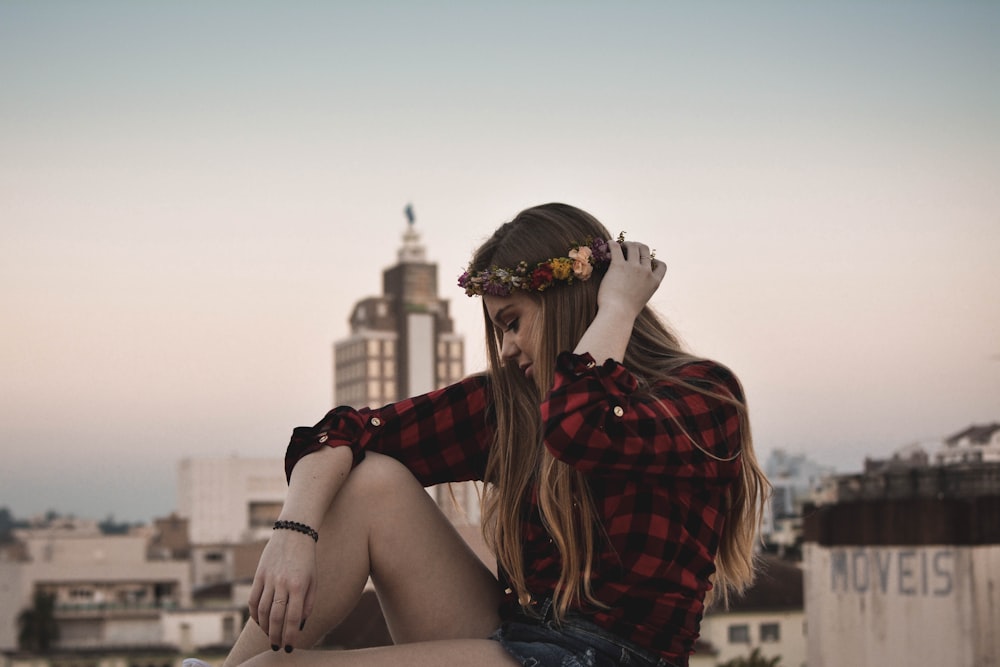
[{"x": 193, "y": 196}]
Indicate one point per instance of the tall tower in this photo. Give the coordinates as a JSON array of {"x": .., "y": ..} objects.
[{"x": 402, "y": 344}]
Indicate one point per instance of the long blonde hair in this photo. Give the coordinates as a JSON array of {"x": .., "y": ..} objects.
[{"x": 518, "y": 460}]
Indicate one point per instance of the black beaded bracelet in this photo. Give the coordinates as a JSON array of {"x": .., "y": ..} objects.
[{"x": 298, "y": 527}]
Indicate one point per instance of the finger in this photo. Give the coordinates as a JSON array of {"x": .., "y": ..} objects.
[
  {"x": 659, "y": 269},
  {"x": 264, "y": 608},
  {"x": 293, "y": 621},
  {"x": 277, "y": 621},
  {"x": 616, "y": 252},
  {"x": 636, "y": 252},
  {"x": 307, "y": 605},
  {"x": 254, "y": 602},
  {"x": 644, "y": 253}
]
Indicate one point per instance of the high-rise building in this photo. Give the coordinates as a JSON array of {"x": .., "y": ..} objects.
[{"x": 402, "y": 344}]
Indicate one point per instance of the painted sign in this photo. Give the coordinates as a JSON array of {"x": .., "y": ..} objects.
[{"x": 893, "y": 570}]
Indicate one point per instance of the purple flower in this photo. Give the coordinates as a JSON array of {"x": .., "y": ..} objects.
[{"x": 601, "y": 252}]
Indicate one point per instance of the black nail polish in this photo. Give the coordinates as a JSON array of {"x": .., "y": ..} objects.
[
  {"x": 288, "y": 648},
  {"x": 274, "y": 647},
  {"x": 302, "y": 625}
]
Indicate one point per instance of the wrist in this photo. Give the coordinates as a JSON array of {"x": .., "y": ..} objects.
[
  {"x": 298, "y": 527},
  {"x": 619, "y": 313},
  {"x": 608, "y": 335}
]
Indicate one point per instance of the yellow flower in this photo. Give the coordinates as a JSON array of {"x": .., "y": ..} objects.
[{"x": 561, "y": 268}]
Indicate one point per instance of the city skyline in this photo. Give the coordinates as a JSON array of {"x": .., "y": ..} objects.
[{"x": 193, "y": 197}]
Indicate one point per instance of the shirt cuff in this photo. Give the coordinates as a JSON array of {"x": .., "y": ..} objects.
[
  {"x": 343, "y": 426},
  {"x": 611, "y": 373}
]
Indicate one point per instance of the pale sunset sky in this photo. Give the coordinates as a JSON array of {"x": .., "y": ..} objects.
[{"x": 193, "y": 195}]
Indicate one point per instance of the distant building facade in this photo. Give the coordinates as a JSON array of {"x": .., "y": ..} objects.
[
  {"x": 904, "y": 569},
  {"x": 403, "y": 344},
  {"x": 795, "y": 480},
  {"x": 976, "y": 444},
  {"x": 108, "y": 594},
  {"x": 230, "y": 500}
]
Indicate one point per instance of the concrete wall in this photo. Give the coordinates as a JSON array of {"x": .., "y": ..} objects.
[
  {"x": 13, "y": 596},
  {"x": 903, "y": 605},
  {"x": 190, "y": 629}
]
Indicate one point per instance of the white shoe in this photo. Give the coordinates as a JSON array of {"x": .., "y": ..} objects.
[{"x": 195, "y": 662}]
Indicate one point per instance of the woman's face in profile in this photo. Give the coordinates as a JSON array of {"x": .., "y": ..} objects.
[{"x": 517, "y": 318}]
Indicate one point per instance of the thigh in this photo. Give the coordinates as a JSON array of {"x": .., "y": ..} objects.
[
  {"x": 455, "y": 652},
  {"x": 430, "y": 584}
]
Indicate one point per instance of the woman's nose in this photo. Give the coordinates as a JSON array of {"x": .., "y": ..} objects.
[{"x": 508, "y": 348}]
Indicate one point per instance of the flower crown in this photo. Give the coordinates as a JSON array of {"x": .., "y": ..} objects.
[{"x": 579, "y": 264}]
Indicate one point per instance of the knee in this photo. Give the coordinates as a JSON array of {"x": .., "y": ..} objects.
[{"x": 378, "y": 475}]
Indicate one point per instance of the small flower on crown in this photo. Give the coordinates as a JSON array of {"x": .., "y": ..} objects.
[{"x": 579, "y": 264}]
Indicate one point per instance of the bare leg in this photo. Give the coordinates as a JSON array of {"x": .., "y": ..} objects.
[
  {"x": 430, "y": 584},
  {"x": 474, "y": 652}
]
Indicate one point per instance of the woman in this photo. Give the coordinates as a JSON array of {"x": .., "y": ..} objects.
[{"x": 621, "y": 486}]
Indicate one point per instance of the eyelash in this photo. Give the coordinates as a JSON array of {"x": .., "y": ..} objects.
[{"x": 513, "y": 325}]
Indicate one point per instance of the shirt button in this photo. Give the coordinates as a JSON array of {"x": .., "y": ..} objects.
[
  {"x": 524, "y": 599},
  {"x": 323, "y": 437},
  {"x": 376, "y": 421},
  {"x": 619, "y": 411}
]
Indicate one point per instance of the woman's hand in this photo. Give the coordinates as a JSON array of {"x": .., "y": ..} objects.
[
  {"x": 631, "y": 280},
  {"x": 284, "y": 587}
]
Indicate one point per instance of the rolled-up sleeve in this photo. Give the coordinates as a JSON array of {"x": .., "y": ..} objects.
[
  {"x": 441, "y": 436},
  {"x": 597, "y": 420}
]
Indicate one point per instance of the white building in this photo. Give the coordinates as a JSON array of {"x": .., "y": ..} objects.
[
  {"x": 230, "y": 500},
  {"x": 769, "y": 617},
  {"x": 107, "y": 593},
  {"x": 976, "y": 444}
]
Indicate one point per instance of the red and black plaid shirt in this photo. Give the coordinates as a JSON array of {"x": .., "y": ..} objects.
[{"x": 659, "y": 495}]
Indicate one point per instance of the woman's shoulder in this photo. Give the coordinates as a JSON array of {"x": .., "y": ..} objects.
[{"x": 706, "y": 374}]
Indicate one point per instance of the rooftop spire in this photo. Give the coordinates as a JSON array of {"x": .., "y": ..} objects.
[{"x": 412, "y": 251}]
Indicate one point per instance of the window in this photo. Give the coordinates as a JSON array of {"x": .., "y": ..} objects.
[
  {"x": 214, "y": 557},
  {"x": 739, "y": 634},
  {"x": 263, "y": 514},
  {"x": 770, "y": 632}
]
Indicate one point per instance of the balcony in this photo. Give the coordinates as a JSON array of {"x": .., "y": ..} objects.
[{"x": 112, "y": 610}]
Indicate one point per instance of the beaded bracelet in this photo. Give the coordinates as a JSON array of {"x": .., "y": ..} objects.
[{"x": 298, "y": 527}]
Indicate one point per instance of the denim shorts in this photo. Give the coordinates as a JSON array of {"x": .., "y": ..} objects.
[{"x": 576, "y": 642}]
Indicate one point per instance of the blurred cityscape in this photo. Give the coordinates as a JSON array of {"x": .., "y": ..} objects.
[{"x": 896, "y": 565}]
